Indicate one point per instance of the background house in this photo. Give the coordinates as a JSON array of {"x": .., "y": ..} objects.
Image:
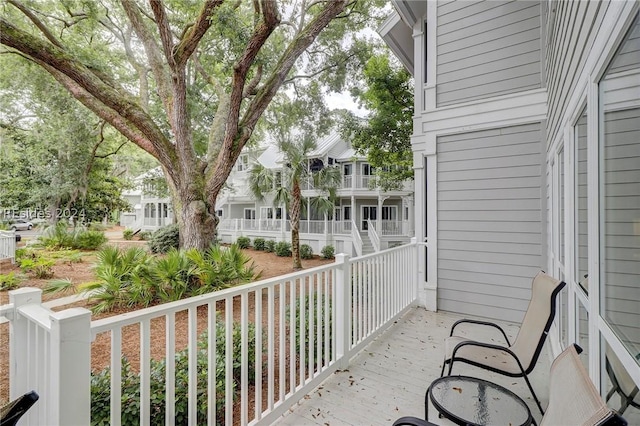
[
  {"x": 527, "y": 156},
  {"x": 362, "y": 212}
]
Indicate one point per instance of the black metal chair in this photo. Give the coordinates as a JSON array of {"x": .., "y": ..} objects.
[
  {"x": 11, "y": 413},
  {"x": 621, "y": 382},
  {"x": 517, "y": 359}
]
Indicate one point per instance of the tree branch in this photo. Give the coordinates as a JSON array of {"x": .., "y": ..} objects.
[
  {"x": 39, "y": 24},
  {"x": 165, "y": 31},
  {"x": 192, "y": 37}
]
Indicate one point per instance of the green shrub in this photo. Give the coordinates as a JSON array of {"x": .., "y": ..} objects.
[
  {"x": 243, "y": 242},
  {"x": 88, "y": 240},
  {"x": 145, "y": 235},
  {"x": 269, "y": 246},
  {"x": 127, "y": 234},
  {"x": 59, "y": 236},
  {"x": 318, "y": 317},
  {"x": 96, "y": 226},
  {"x": 306, "y": 252},
  {"x": 9, "y": 281},
  {"x": 165, "y": 239},
  {"x": 39, "y": 267},
  {"x": 328, "y": 252},
  {"x": 132, "y": 277},
  {"x": 283, "y": 249},
  {"x": 259, "y": 244},
  {"x": 101, "y": 382}
]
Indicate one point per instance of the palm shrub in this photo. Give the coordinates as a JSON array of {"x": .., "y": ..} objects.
[
  {"x": 217, "y": 268},
  {"x": 127, "y": 234},
  {"x": 165, "y": 239},
  {"x": 259, "y": 244},
  {"x": 9, "y": 281},
  {"x": 101, "y": 382},
  {"x": 306, "y": 252},
  {"x": 243, "y": 242},
  {"x": 59, "y": 236},
  {"x": 172, "y": 275}
]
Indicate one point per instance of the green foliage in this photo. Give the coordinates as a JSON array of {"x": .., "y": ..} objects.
[
  {"x": 385, "y": 136},
  {"x": 59, "y": 286},
  {"x": 306, "y": 252},
  {"x": 9, "y": 281},
  {"x": 283, "y": 249},
  {"x": 59, "y": 236},
  {"x": 127, "y": 234},
  {"x": 145, "y": 235},
  {"x": 259, "y": 244},
  {"x": 101, "y": 382},
  {"x": 132, "y": 277},
  {"x": 328, "y": 252},
  {"x": 38, "y": 267},
  {"x": 164, "y": 239},
  {"x": 318, "y": 317},
  {"x": 270, "y": 246},
  {"x": 243, "y": 242}
]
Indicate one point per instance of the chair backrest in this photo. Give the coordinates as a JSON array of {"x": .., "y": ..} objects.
[
  {"x": 537, "y": 319},
  {"x": 573, "y": 399}
]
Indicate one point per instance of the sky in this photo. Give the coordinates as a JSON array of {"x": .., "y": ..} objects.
[{"x": 344, "y": 100}]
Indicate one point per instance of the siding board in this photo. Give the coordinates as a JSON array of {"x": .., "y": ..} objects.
[
  {"x": 489, "y": 220},
  {"x": 487, "y": 49}
]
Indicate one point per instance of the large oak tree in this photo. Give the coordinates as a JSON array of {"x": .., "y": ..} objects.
[{"x": 185, "y": 81}]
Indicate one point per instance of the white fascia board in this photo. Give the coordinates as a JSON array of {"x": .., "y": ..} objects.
[{"x": 393, "y": 31}]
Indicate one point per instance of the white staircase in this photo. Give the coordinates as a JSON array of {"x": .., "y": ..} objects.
[{"x": 367, "y": 246}]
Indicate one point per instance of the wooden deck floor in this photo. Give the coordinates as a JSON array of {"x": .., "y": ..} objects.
[{"x": 389, "y": 378}]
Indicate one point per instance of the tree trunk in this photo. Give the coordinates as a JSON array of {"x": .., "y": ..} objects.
[
  {"x": 296, "y": 199},
  {"x": 196, "y": 219}
]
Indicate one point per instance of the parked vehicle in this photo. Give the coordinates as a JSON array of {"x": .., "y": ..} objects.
[{"x": 21, "y": 225}]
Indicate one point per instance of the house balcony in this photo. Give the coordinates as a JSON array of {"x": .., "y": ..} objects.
[
  {"x": 389, "y": 228},
  {"x": 354, "y": 183},
  {"x": 343, "y": 343}
]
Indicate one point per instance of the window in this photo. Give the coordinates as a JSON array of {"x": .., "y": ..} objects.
[
  {"x": 389, "y": 212},
  {"x": 619, "y": 192},
  {"x": 581, "y": 227},
  {"x": 348, "y": 169},
  {"x": 243, "y": 163},
  {"x": 368, "y": 169},
  {"x": 347, "y": 212},
  {"x": 219, "y": 213},
  {"x": 266, "y": 213},
  {"x": 249, "y": 213}
]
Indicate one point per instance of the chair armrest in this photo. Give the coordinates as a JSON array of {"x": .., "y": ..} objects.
[
  {"x": 412, "y": 421},
  {"x": 490, "y": 324},
  {"x": 484, "y": 345}
]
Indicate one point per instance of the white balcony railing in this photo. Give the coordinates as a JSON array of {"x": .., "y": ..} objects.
[
  {"x": 340, "y": 227},
  {"x": 8, "y": 245},
  {"x": 373, "y": 235},
  {"x": 292, "y": 332}
]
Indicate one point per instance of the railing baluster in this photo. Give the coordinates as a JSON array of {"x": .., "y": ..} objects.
[
  {"x": 193, "y": 365},
  {"x": 116, "y": 376},
  {"x": 271, "y": 343},
  {"x": 282, "y": 295},
  {"x": 311, "y": 327},
  {"x": 170, "y": 374},
  {"x": 244, "y": 358},
  {"x": 292, "y": 336},
  {"x": 228, "y": 354},
  {"x": 303, "y": 334},
  {"x": 145, "y": 372},
  {"x": 259, "y": 353},
  {"x": 212, "y": 367}
]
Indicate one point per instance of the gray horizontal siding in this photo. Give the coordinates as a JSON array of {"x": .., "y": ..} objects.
[
  {"x": 487, "y": 49},
  {"x": 569, "y": 40},
  {"x": 489, "y": 220}
]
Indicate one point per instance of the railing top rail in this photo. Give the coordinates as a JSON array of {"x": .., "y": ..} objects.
[
  {"x": 38, "y": 314},
  {"x": 106, "y": 324}
]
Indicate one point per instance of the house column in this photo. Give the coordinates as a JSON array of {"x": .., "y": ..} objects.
[{"x": 381, "y": 201}]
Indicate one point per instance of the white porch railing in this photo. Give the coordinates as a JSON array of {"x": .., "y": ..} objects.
[
  {"x": 356, "y": 238},
  {"x": 341, "y": 227},
  {"x": 373, "y": 235},
  {"x": 292, "y": 332},
  {"x": 8, "y": 245}
]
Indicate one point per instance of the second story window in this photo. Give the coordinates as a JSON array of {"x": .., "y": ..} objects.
[
  {"x": 368, "y": 170},
  {"x": 243, "y": 163}
]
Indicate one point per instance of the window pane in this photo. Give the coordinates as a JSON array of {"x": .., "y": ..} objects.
[
  {"x": 581, "y": 225},
  {"x": 583, "y": 333},
  {"x": 619, "y": 185}
]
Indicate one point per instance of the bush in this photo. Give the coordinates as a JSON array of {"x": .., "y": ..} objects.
[
  {"x": 328, "y": 252},
  {"x": 283, "y": 249},
  {"x": 8, "y": 281},
  {"x": 101, "y": 382},
  {"x": 306, "y": 252},
  {"x": 164, "y": 239},
  {"x": 269, "y": 246},
  {"x": 145, "y": 235},
  {"x": 59, "y": 236},
  {"x": 259, "y": 244},
  {"x": 319, "y": 317},
  {"x": 96, "y": 226},
  {"x": 39, "y": 267},
  {"x": 127, "y": 234},
  {"x": 243, "y": 242}
]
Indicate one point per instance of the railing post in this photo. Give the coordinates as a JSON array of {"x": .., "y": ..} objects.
[
  {"x": 18, "y": 352},
  {"x": 70, "y": 367},
  {"x": 343, "y": 285}
]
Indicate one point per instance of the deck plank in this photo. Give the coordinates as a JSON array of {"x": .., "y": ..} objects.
[{"x": 388, "y": 379}]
